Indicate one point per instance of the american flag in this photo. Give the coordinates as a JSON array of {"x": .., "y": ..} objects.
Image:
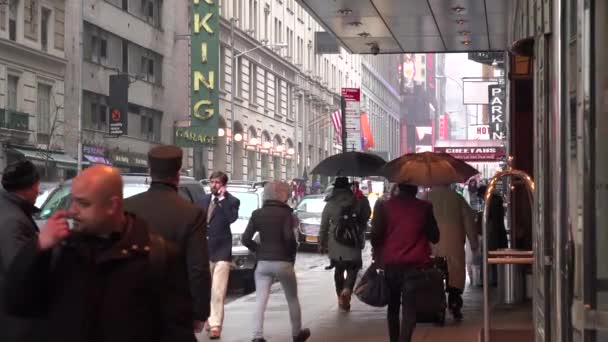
[{"x": 336, "y": 120}]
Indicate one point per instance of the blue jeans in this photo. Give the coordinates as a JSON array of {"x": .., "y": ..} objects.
[{"x": 265, "y": 274}]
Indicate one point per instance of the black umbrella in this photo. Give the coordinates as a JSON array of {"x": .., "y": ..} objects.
[{"x": 353, "y": 164}]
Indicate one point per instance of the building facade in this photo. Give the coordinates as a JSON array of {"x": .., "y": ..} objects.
[
  {"x": 139, "y": 39},
  {"x": 283, "y": 97},
  {"x": 381, "y": 100},
  {"x": 32, "y": 86}
]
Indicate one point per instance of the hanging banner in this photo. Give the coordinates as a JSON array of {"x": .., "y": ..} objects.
[
  {"x": 204, "y": 73},
  {"x": 475, "y": 154},
  {"x": 352, "y": 97},
  {"x": 119, "y": 105}
]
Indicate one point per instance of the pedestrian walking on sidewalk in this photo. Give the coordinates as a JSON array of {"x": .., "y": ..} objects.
[
  {"x": 178, "y": 221},
  {"x": 105, "y": 278},
  {"x": 222, "y": 210},
  {"x": 456, "y": 222},
  {"x": 402, "y": 228},
  {"x": 21, "y": 183},
  {"x": 276, "y": 251},
  {"x": 343, "y": 213}
]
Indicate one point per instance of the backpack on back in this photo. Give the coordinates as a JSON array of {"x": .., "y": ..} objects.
[{"x": 347, "y": 227}]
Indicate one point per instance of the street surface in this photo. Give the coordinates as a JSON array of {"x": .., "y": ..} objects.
[{"x": 306, "y": 260}]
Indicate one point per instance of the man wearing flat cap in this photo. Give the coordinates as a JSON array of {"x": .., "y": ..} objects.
[
  {"x": 179, "y": 221},
  {"x": 20, "y": 188}
]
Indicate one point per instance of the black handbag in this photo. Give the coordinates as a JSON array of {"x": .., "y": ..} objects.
[{"x": 372, "y": 288}]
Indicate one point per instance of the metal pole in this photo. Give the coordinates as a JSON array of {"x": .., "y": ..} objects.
[
  {"x": 343, "y": 109},
  {"x": 484, "y": 227},
  {"x": 80, "y": 90},
  {"x": 232, "y": 94}
]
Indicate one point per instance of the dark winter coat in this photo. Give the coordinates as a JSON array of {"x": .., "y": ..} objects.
[
  {"x": 102, "y": 290},
  {"x": 184, "y": 224},
  {"x": 336, "y": 202},
  {"x": 218, "y": 229},
  {"x": 275, "y": 223},
  {"x": 16, "y": 228}
]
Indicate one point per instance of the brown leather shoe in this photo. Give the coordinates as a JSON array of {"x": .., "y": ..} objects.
[
  {"x": 215, "y": 333},
  {"x": 345, "y": 297}
]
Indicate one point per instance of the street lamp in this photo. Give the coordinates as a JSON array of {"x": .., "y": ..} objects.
[{"x": 234, "y": 72}]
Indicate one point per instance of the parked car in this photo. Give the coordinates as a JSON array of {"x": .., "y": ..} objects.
[
  {"x": 309, "y": 212},
  {"x": 60, "y": 197},
  {"x": 250, "y": 194}
]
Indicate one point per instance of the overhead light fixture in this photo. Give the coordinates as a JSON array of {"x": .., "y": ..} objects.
[
  {"x": 280, "y": 148},
  {"x": 460, "y": 21},
  {"x": 364, "y": 34},
  {"x": 355, "y": 23},
  {"x": 464, "y": 33},
  {"x": 458, "y": 9},
  {"x": 253, "y": 141},
  {"x": 345, "y": 11},
  {"x": 291, "y": 151},
  {"x": 221, "y": 132},
  {"x": 267, "y": 144},
  {"x": 238, "y": 137},
  {"x": 466, "y": 42}
]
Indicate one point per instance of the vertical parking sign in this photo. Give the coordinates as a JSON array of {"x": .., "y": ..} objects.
[{"x": 497, "y": 113}]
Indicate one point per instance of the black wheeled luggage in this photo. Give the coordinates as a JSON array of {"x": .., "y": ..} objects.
[{"x": 431, "y": 301}]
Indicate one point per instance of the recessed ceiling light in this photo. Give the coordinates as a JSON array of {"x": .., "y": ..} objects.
[
  {"x": 460, "y": 21},
  {"x": 464, "y": 33},
  {"x": 345, "y": 11},
  {"x": 355, "y": 23},
  {"x": 466, "y": 42},
  {"x": 458, "y": 9},
  {"x": 364, "y": 34}
]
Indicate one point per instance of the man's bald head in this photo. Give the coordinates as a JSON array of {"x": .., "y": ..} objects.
[{"x": 97, "y": 203}]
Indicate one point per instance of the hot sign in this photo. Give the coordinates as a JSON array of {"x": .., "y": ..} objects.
[{"x": 479, "y": 132}]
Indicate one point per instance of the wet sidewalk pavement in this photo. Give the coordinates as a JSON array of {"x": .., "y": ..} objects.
[{"x": 364, "y": 323}]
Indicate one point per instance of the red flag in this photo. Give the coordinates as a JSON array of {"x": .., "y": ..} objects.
[{"x": 366, "y": 132}]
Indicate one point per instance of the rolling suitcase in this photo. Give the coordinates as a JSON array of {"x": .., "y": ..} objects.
[{"x": 431, "y": 302}]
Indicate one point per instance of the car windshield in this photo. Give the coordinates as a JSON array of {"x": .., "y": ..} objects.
[
  {"x": 61, "y": 198},
  {"x": 249, "y": 202},
  {"x": 58, "y": 199},
  {"x": 312, "y": 205},
  {"x": 133, "y": 189}
]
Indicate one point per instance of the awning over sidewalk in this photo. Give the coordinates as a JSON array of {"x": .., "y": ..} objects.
[
  {"x": 60, "y": 159},
  {"x": 410, "y": 26},
  {"x": 97, "y": 159}
]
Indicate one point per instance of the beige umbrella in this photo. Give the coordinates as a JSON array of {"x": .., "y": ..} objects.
[{"x": 428, "y": 169}]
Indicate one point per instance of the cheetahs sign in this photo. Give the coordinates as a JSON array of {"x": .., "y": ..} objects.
[
  {"x": 474, "y": 154},
  {"x": 204, "y": 75}
]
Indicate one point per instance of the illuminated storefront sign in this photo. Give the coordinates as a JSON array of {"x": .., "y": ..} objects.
[
  {"x": 204, "y": 73},
  {"x": 475, "y": 154}
]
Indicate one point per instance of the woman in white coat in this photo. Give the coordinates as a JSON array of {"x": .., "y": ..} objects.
[{"x": 456, "y": 222}]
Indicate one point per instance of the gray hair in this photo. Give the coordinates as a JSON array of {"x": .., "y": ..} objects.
[{"x": 277, "y": 191}]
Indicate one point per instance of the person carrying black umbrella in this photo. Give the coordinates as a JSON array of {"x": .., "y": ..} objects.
[{"x": 342, "y": 217}]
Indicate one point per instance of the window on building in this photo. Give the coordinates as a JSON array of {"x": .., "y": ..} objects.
[
  {"x": 147, "y": 69},
  {"x": 43, "y": 111},
  {"x": 266, "y": 22},
  {"x": 98, "y": 112},
  {"x": 125, "y": 56},
  {"x": 13, "y": 84},
  {"x": 253, "y": 83},
  {"x": 149, "y": 122},
  {"x": 236, "y": 76},
  {"x": 44, "y": 28},
  {"x": 278, "y": 99},
  {"x": 125, "y": 5},
  {"x": 222, "y": 68},
  {"x": 13, "y": 5},
  {"x": 103, "y": 48},
  {"x": 253, "y": 17}
]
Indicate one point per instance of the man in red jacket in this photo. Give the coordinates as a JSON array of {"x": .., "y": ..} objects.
[{"x": 402, "y": 229}]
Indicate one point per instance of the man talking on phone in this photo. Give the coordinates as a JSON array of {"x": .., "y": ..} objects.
[{"x": 222, "y": 210}]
